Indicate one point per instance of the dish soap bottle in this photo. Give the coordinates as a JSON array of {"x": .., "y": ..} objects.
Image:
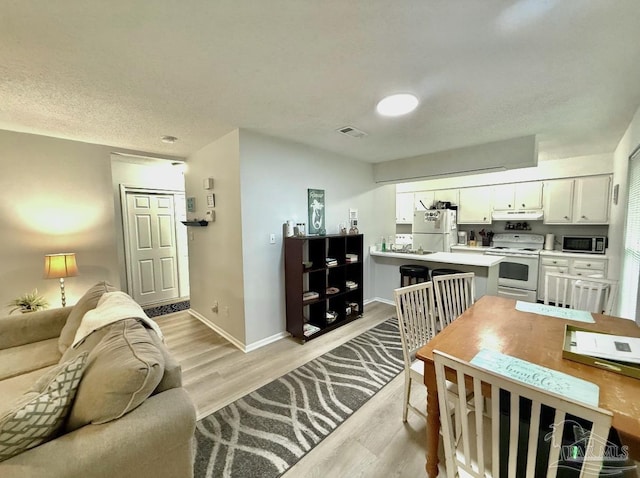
[
  {"x": 384, "y": 245},
  {"x": 420, "y": 250}
]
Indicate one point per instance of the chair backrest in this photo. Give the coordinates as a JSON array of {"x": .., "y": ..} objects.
[
  {"x": 454, "y": 294},
  {"x": 414, "y": 307},
  {"x": 594, "y": 294},
  {"x": 518, "y": 412}
]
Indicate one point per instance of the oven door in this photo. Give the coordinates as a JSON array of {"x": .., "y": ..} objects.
[{"x": 518, "y": 272}]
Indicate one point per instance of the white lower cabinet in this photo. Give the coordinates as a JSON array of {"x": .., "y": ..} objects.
[{"x": 565, "y": 264}]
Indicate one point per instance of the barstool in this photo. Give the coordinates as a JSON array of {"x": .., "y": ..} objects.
[
  {"x": 444, "y": 272},
  {"x": 414, "y": 274}
]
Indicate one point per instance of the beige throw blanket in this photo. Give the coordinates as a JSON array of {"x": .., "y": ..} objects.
[{"x": 112, "y": 307}]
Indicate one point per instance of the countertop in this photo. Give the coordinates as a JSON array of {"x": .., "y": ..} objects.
[
  {"x": 461, "y": 258},
  {"x": 478, "y": 249},
  {"x": 574, "y": 255}
]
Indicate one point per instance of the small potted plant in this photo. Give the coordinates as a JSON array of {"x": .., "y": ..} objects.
[{"x": 28, "y": 302}]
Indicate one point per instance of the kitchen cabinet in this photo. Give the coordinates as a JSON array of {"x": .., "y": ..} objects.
[
  {"x": 446, "y": 195},
  {"x": 517, "y": 196},
  {"x": 584, "y": 200},
  {"x": 586, "y": 265},
  {"x": 404, "y": 208},
  {"x": 591, "y": 200},
  {"x": 475, "y": 205},
  {"x": 423, "y": 199},
  {"x": 331, "y": 267},
  {"x": 558, "y": 201}
]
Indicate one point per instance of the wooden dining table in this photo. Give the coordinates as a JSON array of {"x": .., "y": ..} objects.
[{"x": 495, "y": 323}]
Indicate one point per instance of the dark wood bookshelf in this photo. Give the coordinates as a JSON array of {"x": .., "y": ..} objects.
[{"x": 346, "y": 303}]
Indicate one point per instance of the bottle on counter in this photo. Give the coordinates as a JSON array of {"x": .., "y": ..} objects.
[
  {"x": 384, "y": 245},
  {"x": 472, "y": 239}
]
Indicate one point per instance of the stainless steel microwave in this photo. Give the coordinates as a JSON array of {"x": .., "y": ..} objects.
[{"x": 586, "y": 244}]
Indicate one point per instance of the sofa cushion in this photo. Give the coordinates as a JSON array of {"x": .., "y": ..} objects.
[
  {"x": 122, "y": 371},
  {"x": 12, "y": 388},
  {"x": 26, "y": 358},
  {"x": 172, "y": 376},
  {"x": 38, "y": 415},
  {"x": 87, "y": 302}
]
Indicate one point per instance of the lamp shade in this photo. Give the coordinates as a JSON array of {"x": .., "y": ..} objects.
[{"x": 60, "y": 265}]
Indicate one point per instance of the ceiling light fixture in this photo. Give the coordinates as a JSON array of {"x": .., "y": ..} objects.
[
  {"x": 397, "y": 105},
  {"x": 169, "y": 139}
]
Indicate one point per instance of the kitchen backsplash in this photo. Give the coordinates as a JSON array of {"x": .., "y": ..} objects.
[{"x": 537, "y": 227}]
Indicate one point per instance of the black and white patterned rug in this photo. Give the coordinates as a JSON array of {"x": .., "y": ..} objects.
[{"x": 267, "y": 431}]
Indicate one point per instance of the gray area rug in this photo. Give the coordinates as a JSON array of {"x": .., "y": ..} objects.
[{"x": 267, "y": 431}]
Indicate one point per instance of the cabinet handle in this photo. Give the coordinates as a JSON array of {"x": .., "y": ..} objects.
[
  {"x": 584, "y": 217},
  {"x": 523, "y": 205},
  {"x": 509, "y": 205},
  {"x": 588, "y": 265},
  {"x": 567, "y": 218},
  {"x": 555, "y": 262},
  {"x": 578, "y": 273}
]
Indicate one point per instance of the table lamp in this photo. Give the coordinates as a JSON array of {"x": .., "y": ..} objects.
[{"x": 59, "y": 266}]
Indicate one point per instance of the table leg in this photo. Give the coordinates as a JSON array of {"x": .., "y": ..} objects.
[{"x": 433, "y": 420}]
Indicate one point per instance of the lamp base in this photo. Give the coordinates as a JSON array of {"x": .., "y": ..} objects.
[{"x": 64, "y": 299}]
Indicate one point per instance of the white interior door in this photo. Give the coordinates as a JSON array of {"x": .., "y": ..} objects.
[{"x": 152, "y": 252}]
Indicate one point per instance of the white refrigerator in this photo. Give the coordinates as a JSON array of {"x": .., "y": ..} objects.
[{"x": 435, "y": 230}]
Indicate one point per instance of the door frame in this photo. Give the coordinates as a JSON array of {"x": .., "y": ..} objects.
[{"x": 124, "y": 190}]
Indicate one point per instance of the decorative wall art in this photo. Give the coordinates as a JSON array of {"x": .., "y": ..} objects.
[{"x": 316, "y": 203}]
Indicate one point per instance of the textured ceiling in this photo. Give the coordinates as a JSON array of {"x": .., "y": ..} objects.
[{"x": 124, "y": 73}]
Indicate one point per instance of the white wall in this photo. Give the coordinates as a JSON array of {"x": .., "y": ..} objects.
[
  {"x": 260, "y": 182},
  {"x": 56, "y": 196},
  {"x": 215, "y": 251},
  {"x": 627, "y": 144}
]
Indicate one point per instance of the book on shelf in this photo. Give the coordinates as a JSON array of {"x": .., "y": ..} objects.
[
  {"x": 351, "y": 258},
  {"x": 310, "y": 295},
  {"x": 330, "y": 261},
  {"x": 309, "y": 329},
  {"x": 351, "y": 284}
]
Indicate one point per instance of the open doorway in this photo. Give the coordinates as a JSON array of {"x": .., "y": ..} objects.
[{"x": 152, "y": 242}]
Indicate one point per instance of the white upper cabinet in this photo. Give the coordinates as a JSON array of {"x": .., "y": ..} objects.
[
  {"x": 423, "y": 200},
  {"x": 404, "y": 208},
  {"x": 517, "y": 196},
  {"x": 583, "y": 200},
  {"x": 475, "y": 205},
  {"x": 558, "y": 201},
  {"x": 591, "y": 200},
  {"x": 446, "y": 195}
]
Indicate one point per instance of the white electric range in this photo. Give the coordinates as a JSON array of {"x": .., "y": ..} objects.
[{"x": 518, "y": 273}]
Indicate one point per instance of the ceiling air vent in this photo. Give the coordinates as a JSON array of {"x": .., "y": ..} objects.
[{"x": 351, "y": 131}]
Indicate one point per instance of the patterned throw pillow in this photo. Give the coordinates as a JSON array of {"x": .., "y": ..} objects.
[{"x": 39, "y": 414}]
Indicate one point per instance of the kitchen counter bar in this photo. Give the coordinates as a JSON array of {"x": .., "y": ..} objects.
[
  {"x": 386, "y": 269},
  {"x": 457, "y": 258}
]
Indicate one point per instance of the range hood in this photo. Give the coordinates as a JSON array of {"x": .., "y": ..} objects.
[{"x": 521, "y": 215}]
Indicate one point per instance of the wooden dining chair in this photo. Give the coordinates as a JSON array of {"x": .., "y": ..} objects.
[
  {"x": 454, "y": 293},
  {"x": 500, "y": 445},
  {"x": 415, "y": 310},
  {"x": 594, "y": 294}
]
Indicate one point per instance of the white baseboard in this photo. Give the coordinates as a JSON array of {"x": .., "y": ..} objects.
[
  {"x": 380, "y": 299},
  {"x": 245, "y": 348},
  {"x": 218, "y": 330},
  {"x": 261, "y": 343}
]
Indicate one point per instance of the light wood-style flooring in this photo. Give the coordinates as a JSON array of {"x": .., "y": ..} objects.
[{"x": 373, "y": 442}]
